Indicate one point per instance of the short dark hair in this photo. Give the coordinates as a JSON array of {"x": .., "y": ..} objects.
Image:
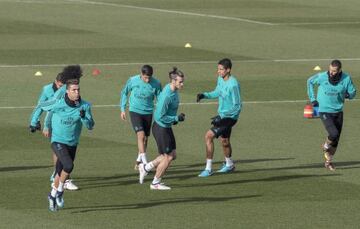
[
  {"x": 147, "y": 70},
  {"x": 336, "y": 63},
  {"x": 72, "y": 82},
  {"x": 226, "y": 62},
  {"x": 60, "y": 78},
  {"x": 175, "y": 72}
]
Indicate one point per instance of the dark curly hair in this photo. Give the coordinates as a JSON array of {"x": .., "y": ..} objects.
[{"x": 72, "y": 72}]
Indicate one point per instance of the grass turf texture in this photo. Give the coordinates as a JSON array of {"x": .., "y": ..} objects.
[{"x": 279, "y": 181}]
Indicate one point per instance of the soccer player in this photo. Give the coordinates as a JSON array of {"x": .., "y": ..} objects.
[
  {"x": 333, "y": 87},
  {"x": 228, "y": 92},
  {"x": 164, "y": 117},
  {"x": 69, "y": 72},
  {"x": 47, "y": 92},
  {"x": 69, "y": 114},
  {"x": 143, "y": 89}
]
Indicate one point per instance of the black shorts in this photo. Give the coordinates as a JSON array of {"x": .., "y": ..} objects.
[
  {"x": 65, "y": 155},
  {"x": 141, "y": 122},
  {"x": 223, "y": 128},
  {"x": 164, "y": 138}
]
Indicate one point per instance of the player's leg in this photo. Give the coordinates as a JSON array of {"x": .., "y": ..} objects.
[
  {"x": 330, "y": 144},
  {"x": 166, "y": 144},
  {"x": 69, "y": 183},
  {"x": 160, "y": 171},
  {"x": 54, "y": 159},
  {"x": 209, "y": 148},
  {"x": 65, "y": 164},
  {"x": 138, "y": 122}
]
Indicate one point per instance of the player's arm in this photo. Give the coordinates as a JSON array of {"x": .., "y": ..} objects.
[
  {"x": 86, "y": 117},
  {"x": 35, "y": 115},
  {"x": 213, "y": 94},
  {"x": 48, "y": 104},
  {"x": 311, "y": 82},
  {"x": 47, "y": 124},
  {"x": 124, "y": 95},
  {"x": 168, "y": 119},
  {"x": 351, "y": 90}
]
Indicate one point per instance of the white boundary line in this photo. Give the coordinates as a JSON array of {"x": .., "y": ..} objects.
[
  {"x": 171, "y": 11},
  {"x": 183, "y": 13},
  {"x": 185, "y": 104},
  {"x": 178, "y": 62}
]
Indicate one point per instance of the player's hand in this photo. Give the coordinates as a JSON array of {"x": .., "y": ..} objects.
[
  {"x": 181, "y": 117},
  {"x": 38, "y": 125},
  {"x": 32, "y": 129},
  {"x": 347, "y": 95},
  {"x": 82, "y": 113},
  {"x": 123, "y": 116},
  {"x": 199, "y": 97},
  {"x": 46, "y": 133},
  {"x": 315, "y": 103},
  {"x": 215, "y": 120}
]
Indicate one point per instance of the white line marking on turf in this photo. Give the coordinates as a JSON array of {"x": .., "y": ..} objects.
[
  {"x": 185, "y": 104},
  {"x": 175, "y": 62},
  {"x": 182, "y": 12},
  {"x": 319, "y": 23},
  {"x": 171, "y": 11}
]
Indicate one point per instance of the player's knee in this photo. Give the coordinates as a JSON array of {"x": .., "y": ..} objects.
[
  {"x": 209, "y": 136},
  {"x": 334, "y": 138},
  {"x": 68, "y": 167}
]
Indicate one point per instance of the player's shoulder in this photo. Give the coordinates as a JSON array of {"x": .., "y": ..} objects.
[
  {"x": 85, "y": 103},
  {"x": 135, "y": 77},
  {"x": 48, "y": 87},
  {"x": 345, "y": 75},
  {"x": 155, "y": 81}
]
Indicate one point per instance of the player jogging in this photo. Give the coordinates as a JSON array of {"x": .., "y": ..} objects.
[
  {"x": 333, "y": 87},
  {"x": 69, "y": 114},
  {"x": 143, "y": 89},
  {"x": 165, "y": 116},
  {"x": 228, "y": 93}
]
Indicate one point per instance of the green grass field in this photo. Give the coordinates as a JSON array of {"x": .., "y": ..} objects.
[{"x": 279, "y": 180}]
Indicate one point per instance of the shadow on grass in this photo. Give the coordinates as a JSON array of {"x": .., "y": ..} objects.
[
  {"x": 185, "y": 174},
  {"x": 21, "y": 168},
  {"x": 268, "y": 179},
  {"x": 156, "y": 203},
  {"x": 246, "y": 161}
]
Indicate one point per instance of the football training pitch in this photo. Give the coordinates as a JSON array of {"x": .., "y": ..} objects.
[{"x": 279, "y": 181}]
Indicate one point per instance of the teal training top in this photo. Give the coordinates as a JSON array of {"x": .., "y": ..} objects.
[
  {"x": 330, "y": 97},
  {"x": 166, "y": 107},
  {"x": 228, "y": 92},
  {"x": 47, "y": 93},
  {"x": 142, "y": 95},
  {"x": 66, "y": 122}
]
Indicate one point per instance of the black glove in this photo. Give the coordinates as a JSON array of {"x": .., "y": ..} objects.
[
  {"x": 38, "y": 125},
  {"x": 82, "y": 113},
  {"x": 181, "y": 117},
  {"x": 315, "y": 103},
  {"x": 199, "y": 97},
  {"x": 347, "y": 95},
  {"x": 215, "y": 120},
  {"x": 175, "y": 123},
  {"x": 32, "y": 129}
]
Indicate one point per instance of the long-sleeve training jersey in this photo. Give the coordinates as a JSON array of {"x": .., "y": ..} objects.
[
  {"x": 47, "y": 93},
  {"x": 228, "y": 92},
  {"x": 142, "y": 95},
  {"x": 330, "y": 97},
  {"x": 66, "y": 122},
  {"x": 166, "y": 107}
]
